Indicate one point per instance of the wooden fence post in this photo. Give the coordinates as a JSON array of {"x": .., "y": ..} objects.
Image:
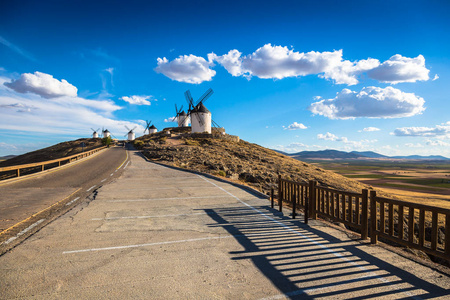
[
  {"x": 365, "y": 215},
  {"x": 280, "y": 195},
  {"x": 294, "y": 203},
  {"x": 271, "y": 197},
  {"x": 373, "y": 217},
  {"x": 312, "y": 199}
]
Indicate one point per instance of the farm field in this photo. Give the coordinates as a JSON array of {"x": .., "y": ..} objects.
[{"x": 427, "y": 182}]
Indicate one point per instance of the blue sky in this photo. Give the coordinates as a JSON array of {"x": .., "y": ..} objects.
[{"x": 289, "y": 75}]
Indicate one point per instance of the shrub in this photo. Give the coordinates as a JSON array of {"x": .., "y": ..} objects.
[
  {"x": 138, "y": 144},
  {"x": 222, "y": 173},
  {"x": 106, "y": 141}
]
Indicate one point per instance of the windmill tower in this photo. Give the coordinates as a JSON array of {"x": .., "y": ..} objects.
[
  {"x": 131, "y": 135},
  {"x": 106, "y": 133},
  {"x": 200, "y": 115},
  {"x": 152, "y": 129},
  {"x": 181, "y": 117},
  {"x": 95, "y": 133}
]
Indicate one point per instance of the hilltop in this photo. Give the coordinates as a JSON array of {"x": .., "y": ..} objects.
[
  {"x": 53, "y": 152},
  {"x": 238, "y": 161}
]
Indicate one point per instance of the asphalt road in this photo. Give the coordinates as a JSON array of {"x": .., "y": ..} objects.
[
  {"x": 159, "y": 233},
  {"x": 22, "y": 198}
]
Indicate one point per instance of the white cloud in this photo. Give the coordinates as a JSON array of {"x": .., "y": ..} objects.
[
  {"x": 278, "y": 62},
  {"x": 186, "y": 68},
  {"x": 328, "y": 137},
  {"x": 442, "y": 130},
  {"x": 436, "y": 77},
  {"x": 411, "y": 145},
  {"x": 369, "y": 129},
  {"x": 349, "y": 144},
  {"x": 170, "y": 119},
  {"x": 297, "y": 147},
  {"x": 370, "y": 102},
  {"x": 401, "y": 69},
  {"x": 67, "y": 117},
  {"x": 295, "y": 126},
  {"x": 43, "y": 85},
  {"x": 438, "y": 143},
  {"x": 137, "y": 100},
  {"x": 232, "y": 61}
]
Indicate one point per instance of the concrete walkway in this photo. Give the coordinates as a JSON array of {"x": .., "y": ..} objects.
[{"x": 159, "y": 233}]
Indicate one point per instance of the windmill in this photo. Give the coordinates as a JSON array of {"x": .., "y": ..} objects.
[
  {"x": 181, "y": 117},
  {"x": 148, "y": 126},
  {"x": 200, "y": 115},
  {"x": 131, "y": 135},
  {"x": 105, "y": 133},
  {"x": 95, "y": 133},
  {"x": 152, "y": 129}
]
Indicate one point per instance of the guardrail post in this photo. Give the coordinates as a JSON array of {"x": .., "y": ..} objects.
[
  {"x": 312, "y": 199},
  {"x": 280, "y": 195},
  {"x": 373, "y": 217},
  {"x": 271, "y": 197},
  {"x": 365, "y": 215},
  {"x": 18, "y": 172},
  {"x": 42, "y": 167}
]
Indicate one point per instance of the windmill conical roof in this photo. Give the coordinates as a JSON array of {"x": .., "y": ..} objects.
[
  {"x": 152, "y": 127},
  {"x": 201, "y": 108},
  {"x": 183, "y": 113}
]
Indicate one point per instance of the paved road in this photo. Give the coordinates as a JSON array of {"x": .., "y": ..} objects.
[
  {"x": 159, "y": 233},
  {"x": 22, "y": 198}
]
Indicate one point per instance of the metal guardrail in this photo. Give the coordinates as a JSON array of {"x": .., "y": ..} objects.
[
  {"x": 418, "y": 226},
  {"x": 42, "y": 164}
]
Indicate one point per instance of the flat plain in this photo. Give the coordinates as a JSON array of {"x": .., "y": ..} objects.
[{"x": 426, "y": 182}]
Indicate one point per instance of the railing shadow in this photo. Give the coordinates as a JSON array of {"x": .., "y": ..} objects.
[{"x": 306, "y": 263}]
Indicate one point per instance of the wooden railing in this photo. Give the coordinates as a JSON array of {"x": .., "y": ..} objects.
[
  {"x": 40, "y": 166},
  {"x": 411, "y": 224},
  {"x": 417, "y": 226}
]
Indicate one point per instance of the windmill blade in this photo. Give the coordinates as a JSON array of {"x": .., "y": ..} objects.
[
  {"x": 127, "y": 127},
  {"x": 215, "y": 124},
  {"x": 205, "y": 96},
  {"x": 181, "y": 108},
  {"x": 93, "y": 130},
  {"x": 188, "y": 96},
  {"x": 133, "y": 128},
  {"x": 176, "y": 110}
]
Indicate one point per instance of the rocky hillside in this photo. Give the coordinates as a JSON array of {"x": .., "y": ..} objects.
[
  {"x": 238, "y": 161},
  {"x": 53, "y": 152}
]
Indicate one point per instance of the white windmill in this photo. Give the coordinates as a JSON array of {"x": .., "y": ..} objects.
[
  {"x": 200, "y": 115},
  {"x": 181, "y": 117},
  {"x": 106, "y": 133},
  {"x": 130, "y": 134},
  {"x": 152, "y": 129},
  {"x": 95, "y": 133}
]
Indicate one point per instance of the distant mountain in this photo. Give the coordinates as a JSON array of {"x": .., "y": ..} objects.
[
  {"x": 335, "y": 154},
  {"x": 370, "y": 154},
  {"x": 420, "y": 157},
  {"x": 325, "y": 154}
]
